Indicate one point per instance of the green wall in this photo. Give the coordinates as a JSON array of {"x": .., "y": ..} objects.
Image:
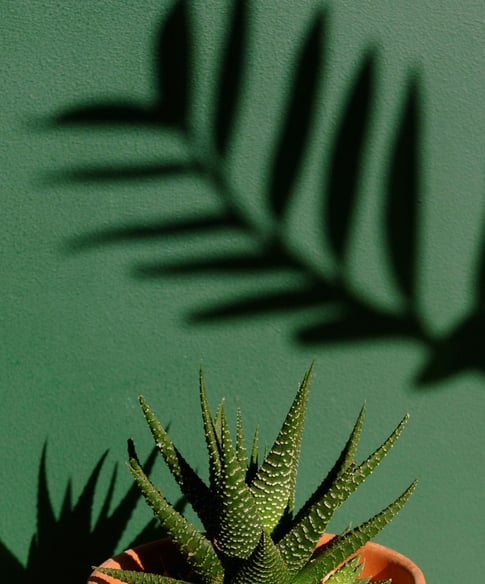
[{"x": 117, "y": 247}]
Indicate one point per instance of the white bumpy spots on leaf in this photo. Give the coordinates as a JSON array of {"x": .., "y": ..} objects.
[
  {"x": 274, "y": 484},
  {"x": 240, "y": 525}
]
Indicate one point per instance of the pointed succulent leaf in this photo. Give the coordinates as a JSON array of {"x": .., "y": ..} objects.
[
  {"x": 253, "y": 460},
  {"x": 134, "y": 577},
  {"x": 241, "y": 450},
  {"x": 112, "y": 521},
  {"x": 218, "y": 419},
  {"x": 349, "y": 573},
  {"x": 347, "y": 456},
  {"x": 239, "y": 522},
  {"x": 342, "y": 547},
  {"x": 210, "y": 436},
  {"x": 274, "y": 484},
  {"x": 191, "y": 485},
  {"x": 343, "y": 463},
  {"x": 367, "y": 467},
  {"x": 298, "y": 544},
  {"x": 251, "y": 545},
  {"x": 265, "y": 565},
  {"x": 194, "y": 546}
]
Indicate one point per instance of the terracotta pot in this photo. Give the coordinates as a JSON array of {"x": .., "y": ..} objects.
[
  {"x": 162, "y": 557},
  {"x": 381, "y": 562}
]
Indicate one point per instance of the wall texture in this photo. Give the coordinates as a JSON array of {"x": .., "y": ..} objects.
[{"x": 249, "y": 190}]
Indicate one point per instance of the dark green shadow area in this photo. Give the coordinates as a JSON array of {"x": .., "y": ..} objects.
[
  {"x": 66, "y": 545},
  {"x": 358, "y": 318}
]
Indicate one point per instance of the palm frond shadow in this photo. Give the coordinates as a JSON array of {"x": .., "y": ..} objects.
[
  {"x": 172, "y": 80},
  {"x": 122, "y": 173},
  {"x": 210, "y": 223},
  {"x": 358, "y": 318},
  {"x": 462, "y": 348},
  {"x": 73, "y": 541}
]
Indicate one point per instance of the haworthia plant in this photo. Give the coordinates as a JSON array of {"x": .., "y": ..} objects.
[{"x": 251, "y": 533}]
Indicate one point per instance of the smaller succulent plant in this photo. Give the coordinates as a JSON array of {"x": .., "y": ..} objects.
[{"x": 251, "y": 533}]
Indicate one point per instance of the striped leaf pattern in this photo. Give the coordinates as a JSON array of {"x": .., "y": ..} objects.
[
  {"x": 341, "y": 547},
  {"x": 298, "y": 545},
  {"x": 194, "y": 489},
  {"x": 240, "y": 524},
  {"x": 349, "y": 573},
  {"x": 273, "y": 486},
  {"x": 253, "y": 536},
  {"x": 241, "y": 450},
  {"x": 210, "y": 436},
  {"x": 193, "y": 545},
  {"x": 254, "y": 458},
  {"x": 344, "y": 461},
  {"x": 265, "y": 566}
]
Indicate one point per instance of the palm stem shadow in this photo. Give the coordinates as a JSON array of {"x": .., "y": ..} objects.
[{"x": 358, "y": 318}]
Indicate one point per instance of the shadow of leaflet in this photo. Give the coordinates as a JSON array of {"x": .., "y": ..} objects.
[{"x": 65, "y": 547}]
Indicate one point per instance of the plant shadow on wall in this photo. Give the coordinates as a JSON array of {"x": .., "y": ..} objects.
[
  {"x": 71, "y": 543},
  {"x": 346, "y": 315}
]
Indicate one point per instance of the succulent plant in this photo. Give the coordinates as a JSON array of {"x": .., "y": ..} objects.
[{"x": 251, "y": 532}]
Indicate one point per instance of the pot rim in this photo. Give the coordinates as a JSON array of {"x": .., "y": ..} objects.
[
  {"x": 380, "y": 555},
  {"x": 373, "y": 554}
]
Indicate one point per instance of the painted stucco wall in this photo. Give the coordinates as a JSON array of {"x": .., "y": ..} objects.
[{"x": 118, "y": 256}]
